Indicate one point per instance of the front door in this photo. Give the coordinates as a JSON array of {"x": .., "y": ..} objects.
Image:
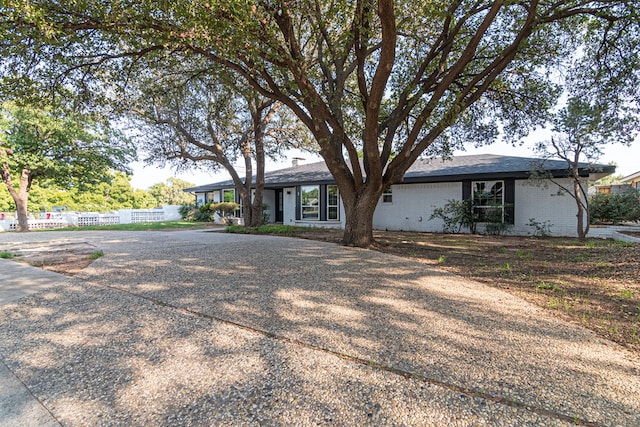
[{"x": 279, "y": 205}]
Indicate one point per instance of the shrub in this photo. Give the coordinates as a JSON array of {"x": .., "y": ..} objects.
[
  {"x": 193, "y": 213},
  {"x": 540, "y": 229},
  {"x": 615, "y": 208},
  {"x": 455, "y": 215},
  {"x": 266, "y": 216}
]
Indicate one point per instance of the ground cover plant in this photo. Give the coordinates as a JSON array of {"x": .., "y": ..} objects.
[{"x": 594, "y": 283}]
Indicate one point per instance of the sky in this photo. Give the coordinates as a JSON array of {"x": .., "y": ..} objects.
[{"x": 626, "y": 158}]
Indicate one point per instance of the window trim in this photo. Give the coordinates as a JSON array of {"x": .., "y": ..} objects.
[
  {"x": 336, "y": 205},
  {"x": 303, "y": 206},
  {"x": 477, "y": 207},
  {"x": 387, "y": 195}
]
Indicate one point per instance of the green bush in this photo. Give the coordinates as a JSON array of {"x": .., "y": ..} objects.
[
  {"x": 193, "y": 213},
  {"x": 615, "y": 208},
  {"x": 455, "y": 214}
]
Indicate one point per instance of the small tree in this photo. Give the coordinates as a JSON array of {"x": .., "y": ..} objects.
[
  {"x": 58, "y": 145},
  {"x": 581, "y": 130},
  {"x": 171, "y": 192}
]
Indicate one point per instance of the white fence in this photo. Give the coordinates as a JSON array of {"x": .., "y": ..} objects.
[{"x": 85, "y": 219}]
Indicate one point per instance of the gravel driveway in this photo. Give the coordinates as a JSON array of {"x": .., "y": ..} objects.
[{"x": 205, "y": 328}]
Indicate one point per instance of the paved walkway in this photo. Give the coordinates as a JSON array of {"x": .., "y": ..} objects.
[{"x": 202, "y": 328}]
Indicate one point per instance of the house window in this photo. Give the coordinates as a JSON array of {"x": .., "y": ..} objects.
[
  {"x": 387, "y": 195},
  {"x": 488, "y": 201},
  {"x": 229, "y": 196},
  {"x": 310, "y": 202},
  {"x": 332, "y": 202}
]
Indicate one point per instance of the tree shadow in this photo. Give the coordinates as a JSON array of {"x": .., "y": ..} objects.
[{"x": 302, "y": 305}]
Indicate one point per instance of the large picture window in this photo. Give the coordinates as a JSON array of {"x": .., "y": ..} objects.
[
  {"x": 488, "y": 201},
  {"x": 310, "y": 202},
  {"x": 332, "y": 203}
]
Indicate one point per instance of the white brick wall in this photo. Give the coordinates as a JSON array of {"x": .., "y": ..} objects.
[
  {"x": 413, "y": 204},
  {"x": 545, "y": 203}
]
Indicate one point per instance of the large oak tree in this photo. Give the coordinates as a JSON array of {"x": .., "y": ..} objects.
[
  {"x": 190, "y": 117},
  {"x": 393, "y": 80}
]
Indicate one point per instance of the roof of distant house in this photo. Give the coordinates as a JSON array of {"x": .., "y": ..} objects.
[
  {"x": 429, "y": 170},
  {"x": 630, "y": 178}
]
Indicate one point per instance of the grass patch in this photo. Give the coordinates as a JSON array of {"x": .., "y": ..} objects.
[
  {"x": 96, "y": 255},
  {"x": 542, "y": 285},
  {"x": 276, "y": 229},
  {"x": 7, "y": 255}
]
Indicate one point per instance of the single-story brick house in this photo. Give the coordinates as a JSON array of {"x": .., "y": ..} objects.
[{"x": 307, "y": 195}]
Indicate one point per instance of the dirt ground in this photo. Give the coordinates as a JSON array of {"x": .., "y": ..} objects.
[
  {"x": 595, "y": 284},
  {"x": 66, "y": 258}
]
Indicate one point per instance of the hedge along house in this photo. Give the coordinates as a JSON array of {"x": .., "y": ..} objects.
[{"x": 497, "y": 186}]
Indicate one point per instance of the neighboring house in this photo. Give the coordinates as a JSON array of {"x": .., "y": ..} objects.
[
  {"x": 633, "y": 180},
  {"x": 307, "y": 194},
  {"x": 630, "y": 181}
]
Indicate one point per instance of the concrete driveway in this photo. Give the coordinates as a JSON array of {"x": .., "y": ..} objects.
[{"x": 206, "y": 328}]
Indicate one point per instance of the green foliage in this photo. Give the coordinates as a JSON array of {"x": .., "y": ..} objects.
[
  {"x": 7, "y": 255},
  {"x": 223, "y": 208},
  {"x": 116, "y": 193},
  {"x": 615, "y": 208},
  {"x": 456, "y": 215},
  {"x": 193, "y": 213},
  {"x": 278, "y": 229},
  {"x": 171, "y": 192},
  {"x": 540, "y": 229},
  {"x": 60, "y": 145},
  {"x": 609, "y": 179},
  {"x": 409, "y": 78},
  {"x": 266, "y": 216}
]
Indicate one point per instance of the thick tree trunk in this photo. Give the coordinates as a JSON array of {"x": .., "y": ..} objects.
[
  {"x": 359, "y": 210},
  {"x": 20, "y": 197},
  {"x": 22, "y": 202}
]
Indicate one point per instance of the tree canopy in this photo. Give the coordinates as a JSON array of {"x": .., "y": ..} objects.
[
  {"x": 45, "y": 143},
  {"x": 394, "y": 80},
  {"x": 171, "y": 192}
]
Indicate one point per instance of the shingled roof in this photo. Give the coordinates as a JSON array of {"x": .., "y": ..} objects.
[{"x": 482, "y": 166}]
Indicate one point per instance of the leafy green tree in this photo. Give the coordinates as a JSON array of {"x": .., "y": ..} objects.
[
  {"x": 615, "y": 208},
  {"x": 171, "y": 192},
  {"x": 53, "y": 145},
  {"x": 395, "y": 80},
  {"x": 609, "y": 179},
  {"x": 190, "y": 117},
  {"x": 6, "y": 201},
  {"x": 581, "y": 130}
]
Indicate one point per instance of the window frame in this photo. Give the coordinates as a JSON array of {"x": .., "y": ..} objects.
[
  {"x": 335, "y": 205},
  {"x": 486, "y": 207},
  {"x": 311, "y": 206},
  {"x": 387, "y": 195}
]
